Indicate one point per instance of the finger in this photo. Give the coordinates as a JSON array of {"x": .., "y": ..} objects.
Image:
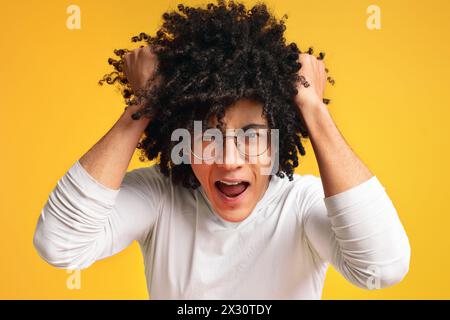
[
  {"x": 321, "y": 66},
  {"x": 303, "y": 81},
  {"x": 322, "y": 74},
  {"x": 127, "y": 57},
  {"x": 306, "y": 62}
]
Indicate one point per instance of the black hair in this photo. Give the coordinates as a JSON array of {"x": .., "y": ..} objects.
[{"x": 209, "y": 58}]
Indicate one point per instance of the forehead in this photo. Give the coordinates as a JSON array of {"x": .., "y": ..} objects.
[{"x": 242, "y": 113}]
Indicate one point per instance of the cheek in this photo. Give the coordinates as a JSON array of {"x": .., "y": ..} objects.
[
  {"x": 264, "y": 161},
  {"x": 259, "y": 187},
  {"x": 260, "y": 180},
  {"x": 202, "y": 172}
]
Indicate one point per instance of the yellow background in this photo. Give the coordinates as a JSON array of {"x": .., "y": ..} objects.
[{"x": 390, "y": 101}]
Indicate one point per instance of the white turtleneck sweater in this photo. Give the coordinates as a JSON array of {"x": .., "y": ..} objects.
[{"x": 280, "y": 251}]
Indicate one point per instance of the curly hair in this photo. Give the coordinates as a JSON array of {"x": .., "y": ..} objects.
[{"x": 209, "y": 58}]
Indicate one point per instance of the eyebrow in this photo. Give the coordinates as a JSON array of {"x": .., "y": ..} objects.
[
  {"x": 250, "y": 126},
  {"x": 254, "y": 126}
]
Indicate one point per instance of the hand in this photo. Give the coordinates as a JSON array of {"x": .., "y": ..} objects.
[
  {"x": 310, "y": 93},
  {"x": 139, "y": 65}
]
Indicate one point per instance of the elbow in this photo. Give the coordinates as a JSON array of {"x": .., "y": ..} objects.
[
  {"x": 395, "y": 272},
  {"x": 379, "y": 275},
  {"x": 375, "y": 277},
  {"x": 384, "y": 276},
  {"x": 45, "y": 248},
  {"x": 49, "y": 248}
]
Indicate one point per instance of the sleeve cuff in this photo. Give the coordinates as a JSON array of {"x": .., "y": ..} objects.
[
  {"x": 366, "y": 191},
  {"x": 89, "y": 186}
]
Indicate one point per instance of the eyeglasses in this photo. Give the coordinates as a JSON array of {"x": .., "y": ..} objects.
[{"x": 209, "y": 144}]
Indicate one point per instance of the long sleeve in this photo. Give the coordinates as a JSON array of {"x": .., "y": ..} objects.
[
  {"x": 84, "y": 221},
  {"x": 359, "y": 232}
]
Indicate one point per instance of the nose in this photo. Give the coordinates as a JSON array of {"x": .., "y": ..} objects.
[{"x": 232, "y": 158}]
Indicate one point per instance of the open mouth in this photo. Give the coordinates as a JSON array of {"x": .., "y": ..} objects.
[{"x": 231, "y": 189}]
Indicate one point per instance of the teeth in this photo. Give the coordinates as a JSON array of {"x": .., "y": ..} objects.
[{"x": 230, "y": 183}]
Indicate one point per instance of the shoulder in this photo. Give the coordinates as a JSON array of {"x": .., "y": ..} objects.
[
  {"x": 151, "y": 172},
  {"x": 307, "y": 185},
  {"x": 306, "y": 191},
  {"x": 148, "y": 178}
]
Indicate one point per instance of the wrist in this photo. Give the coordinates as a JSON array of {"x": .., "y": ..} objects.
[
  {"x": 316, "y": 116},
  {"x": 127, "y": 120},
  {"x": 313, "y": 110}
]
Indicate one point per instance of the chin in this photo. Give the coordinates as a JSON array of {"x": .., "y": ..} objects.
[{"x": 233, "y": 215}]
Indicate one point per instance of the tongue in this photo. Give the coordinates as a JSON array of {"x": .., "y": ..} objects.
[{"x": 231, "y": 191}]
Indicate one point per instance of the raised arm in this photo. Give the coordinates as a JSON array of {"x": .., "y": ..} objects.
[
  {"x": 353, "y": 224},
  {"x": 108, "y": 160},
  {"x": 97, "y": 208}
]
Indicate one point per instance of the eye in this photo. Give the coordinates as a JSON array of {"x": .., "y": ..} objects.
[
  {"x": 209, "y": 137},
  {"x": 252, "y": 134}
]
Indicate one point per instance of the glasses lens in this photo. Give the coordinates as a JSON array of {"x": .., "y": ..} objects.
[
  {"x": 253, "y": 142},
  {"x": 204, "y": 146}
]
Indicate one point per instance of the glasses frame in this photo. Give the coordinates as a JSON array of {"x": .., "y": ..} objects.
[{"x": 236, "y": 135}]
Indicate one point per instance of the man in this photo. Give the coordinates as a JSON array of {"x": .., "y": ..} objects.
[{"x": 224, "y": 229}]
